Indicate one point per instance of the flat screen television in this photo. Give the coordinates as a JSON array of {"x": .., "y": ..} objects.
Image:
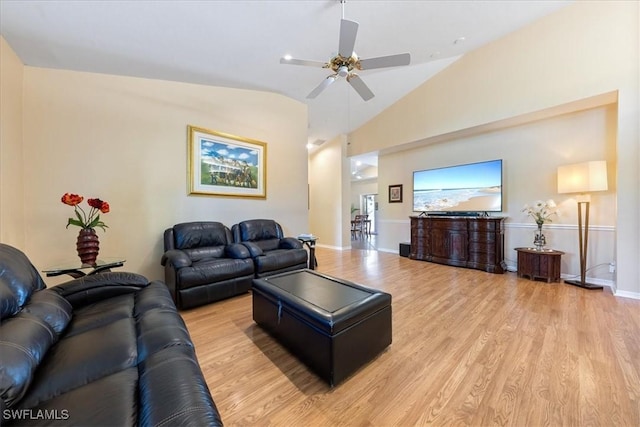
[{"x": 469, "y": 188}]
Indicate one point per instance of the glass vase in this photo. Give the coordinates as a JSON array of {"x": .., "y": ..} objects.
[{"x": 539, "y": 240}]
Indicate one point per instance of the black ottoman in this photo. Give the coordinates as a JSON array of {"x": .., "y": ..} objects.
[{"x": 332, "y": 325}]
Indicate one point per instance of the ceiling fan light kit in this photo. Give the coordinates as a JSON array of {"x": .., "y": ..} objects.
[{"x": 347, "y": 61}]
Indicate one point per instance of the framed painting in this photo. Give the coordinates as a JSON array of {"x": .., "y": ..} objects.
[
  {"x": 395, "y": 193},
  {"x": 226, "y": 165}
]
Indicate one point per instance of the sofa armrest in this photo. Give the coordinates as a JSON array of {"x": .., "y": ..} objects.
[
  {"x": 96, "y": 287},
  {"x": 254, "y": 249},
  {"x": 290, "y": 243},
  {"x": 176, "y": 257},
  {"x": 237, "y": 251}
]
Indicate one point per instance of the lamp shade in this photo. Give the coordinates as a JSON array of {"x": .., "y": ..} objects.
[{"x": 583, "y": 177}]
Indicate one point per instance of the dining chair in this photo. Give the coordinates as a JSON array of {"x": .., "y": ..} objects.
[{"x": 359, "y": 225}]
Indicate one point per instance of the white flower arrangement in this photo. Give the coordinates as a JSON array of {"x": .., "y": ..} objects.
[{"x": 541, "y": 211}]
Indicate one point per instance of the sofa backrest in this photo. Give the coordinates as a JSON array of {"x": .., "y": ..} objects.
[
  {"x": 266, "y": 233},
  {"x": 19, "y": 279},
  {"x": 203, "y": 239},
  {"x": 32, "y": 320}
]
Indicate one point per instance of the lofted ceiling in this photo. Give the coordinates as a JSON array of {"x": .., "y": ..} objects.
[{"x": 239, "y": 43}]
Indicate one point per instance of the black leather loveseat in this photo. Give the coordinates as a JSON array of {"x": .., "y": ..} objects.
[{"x": 106, "y": 350}]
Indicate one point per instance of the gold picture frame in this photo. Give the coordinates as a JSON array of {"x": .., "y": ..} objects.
[{"x": 220, "y": 164}]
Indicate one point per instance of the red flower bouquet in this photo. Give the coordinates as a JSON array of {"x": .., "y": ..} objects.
[{"x": 82, "y": 219}]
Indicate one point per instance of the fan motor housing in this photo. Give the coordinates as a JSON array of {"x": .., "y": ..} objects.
[{"x": 339, "y": 61}]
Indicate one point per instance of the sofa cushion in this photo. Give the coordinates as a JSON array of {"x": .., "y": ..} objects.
[
  {"x": 197, "y": 254},
  {"x": 167, "y": 362},
  {"x": 18, "y": 280},
  {"x": 280, "y": 259},
  {"x": 214, "y": 270},
  {"x": 50, "y": 307},
  {"x": 25, "y": 339},
  {"x": 94, "y": 316},
  {"x": 86, "y": 290},
  {"x": 268, "y": 245},
  {"x": 258, "y": 229},
  {"x": 109, "y": 401},
  {"x": 174, "y": 368},
  {"x": 161, "y": 328},
  {"x": 83, "y": 358},
  {"x": 200, "y": 234}
]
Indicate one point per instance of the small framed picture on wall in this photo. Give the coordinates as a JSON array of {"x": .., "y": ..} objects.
[{"x": 395, "y": 193}]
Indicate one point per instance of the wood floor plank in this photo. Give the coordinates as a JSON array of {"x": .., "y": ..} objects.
[{"x": 469, "y": 348}]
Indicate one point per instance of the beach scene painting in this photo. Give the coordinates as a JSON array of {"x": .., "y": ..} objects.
[
  {"x": 225, "y": 165},
  {"x": 475, "y": 187}
]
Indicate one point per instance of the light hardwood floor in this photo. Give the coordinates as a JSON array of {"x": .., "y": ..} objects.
[{"x": 469, "y": 348}]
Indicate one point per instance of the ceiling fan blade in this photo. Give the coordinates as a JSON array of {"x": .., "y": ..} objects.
[
  {"x": 385, "y": 61},
  {"x": 348, "y": 32},
  {"x": 322, "y": 86},
  {"x": 363, "y": 90},
  {"x": 303, "y": 62}
]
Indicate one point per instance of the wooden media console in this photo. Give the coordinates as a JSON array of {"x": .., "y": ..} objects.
[{"x": 461, "y": 241}]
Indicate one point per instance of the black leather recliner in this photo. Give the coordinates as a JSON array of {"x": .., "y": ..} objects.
[
  {"x": 202, "y": 264},
  {"x": 271, "y": 251}
]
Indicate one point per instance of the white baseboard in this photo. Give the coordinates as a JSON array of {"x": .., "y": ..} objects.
[
  {"x": 391, "y": 251},
  {"x": 336, "y": 248},
  {"x": 627, "y": 294},
  {"x": 514, "y": 269},
  {"x": 595, "y": 281}
]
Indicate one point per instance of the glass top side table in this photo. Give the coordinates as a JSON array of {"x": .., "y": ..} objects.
[{"x": 76, "y": 269}]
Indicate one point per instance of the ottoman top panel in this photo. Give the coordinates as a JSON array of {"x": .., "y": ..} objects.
[
  {"x": 321, "y": 291},
  {"x": 329, "y": 303}
]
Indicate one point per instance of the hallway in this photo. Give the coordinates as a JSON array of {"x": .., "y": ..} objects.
[{"x": 368, "y": 243}]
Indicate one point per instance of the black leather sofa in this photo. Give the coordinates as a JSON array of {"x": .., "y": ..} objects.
[
  {"x": 108, "y": 349},
  {"x": 202, "y": 264},
  {"x": 271, "y": 251}
]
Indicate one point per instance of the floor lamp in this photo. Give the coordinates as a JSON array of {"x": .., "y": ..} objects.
[{"x": 583, "y": 178}]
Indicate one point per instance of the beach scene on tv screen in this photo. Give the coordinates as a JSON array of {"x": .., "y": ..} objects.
[{"x": 464, "y": 188}]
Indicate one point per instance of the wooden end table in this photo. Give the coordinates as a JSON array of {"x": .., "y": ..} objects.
[{"x": 539, "y": 264}]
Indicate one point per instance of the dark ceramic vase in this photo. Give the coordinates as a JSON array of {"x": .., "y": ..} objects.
[{"x": 88, "y": 246}]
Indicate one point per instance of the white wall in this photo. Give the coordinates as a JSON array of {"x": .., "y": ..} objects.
[
  {"x": 328, "y": 201},
  {"x": 531, "y": 154},
  {"x": 12, "y": 212},
  {"x": 124, "y": 140},
  {"x": 580, "y": 52}
]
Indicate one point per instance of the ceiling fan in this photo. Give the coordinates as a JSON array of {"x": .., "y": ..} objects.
[{"x": 347, "y": 61}]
